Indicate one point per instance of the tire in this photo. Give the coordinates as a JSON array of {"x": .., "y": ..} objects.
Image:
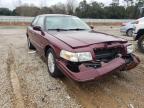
[
  {"x": 141, "y": 44},
  {"x": 30, "y": 46},
  {"x": 129, "y": 32},
  {"x": 51, "y": 64}
]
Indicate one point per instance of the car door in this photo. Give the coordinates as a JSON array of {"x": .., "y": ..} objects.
[
  {"x": 31, "y": 31},
  {"x": 39, "y": 36}
]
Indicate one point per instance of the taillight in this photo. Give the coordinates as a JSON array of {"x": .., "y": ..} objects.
[{"x": 123, "y": 24}]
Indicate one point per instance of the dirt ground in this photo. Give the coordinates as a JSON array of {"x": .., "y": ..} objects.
[{"x": 25, "y": 82}]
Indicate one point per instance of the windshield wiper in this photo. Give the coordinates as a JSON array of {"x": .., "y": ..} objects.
[
  {"x": 59, "y": 29},
  {"x": 77, "y": 29}
]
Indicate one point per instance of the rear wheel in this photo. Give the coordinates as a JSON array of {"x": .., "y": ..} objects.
[
  {"x": 51, "y": 64},
  {"x": 130, "y": 32},
  {"x": 141, "y": 44},
  {"x": 30, "y": 46}
]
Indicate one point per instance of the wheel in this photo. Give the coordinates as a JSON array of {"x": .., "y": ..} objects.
[
  {"x": 130, "y": 32},
  {"x": 141, "y": 44},
  {"x": 30, "y": 46},
  {"x": 51, "y": 64}
]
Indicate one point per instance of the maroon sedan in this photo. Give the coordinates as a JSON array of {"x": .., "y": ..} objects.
[{"x": 72, "y": 48}]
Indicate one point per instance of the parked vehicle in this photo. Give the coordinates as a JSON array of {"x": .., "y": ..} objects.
[
  {"x": 72, "y": 48},
  {"x": 139, "y": 34},
  {"x": 127, "y": 28}
]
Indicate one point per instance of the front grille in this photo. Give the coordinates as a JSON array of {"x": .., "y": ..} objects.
[{"x": 107, "y": 53}]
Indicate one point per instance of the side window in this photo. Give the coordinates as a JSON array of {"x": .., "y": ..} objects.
[
  {"x": 35, "y": 21},
  {"x": 40, "y": 22}
]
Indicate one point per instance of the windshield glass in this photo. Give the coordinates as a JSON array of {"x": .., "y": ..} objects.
[{"x": 65, "y": 23}]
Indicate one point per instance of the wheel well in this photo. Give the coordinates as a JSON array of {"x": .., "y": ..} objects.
[
  {"x": 129, "y": 29},
  {"x": 139, "y": 34},
  {"x": 46, "y": 48}
]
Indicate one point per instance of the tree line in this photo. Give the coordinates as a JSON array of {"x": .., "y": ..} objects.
[{"x": 131, "y": 10}]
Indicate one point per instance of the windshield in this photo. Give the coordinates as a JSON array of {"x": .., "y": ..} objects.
[{"x": 65, "y": 23}]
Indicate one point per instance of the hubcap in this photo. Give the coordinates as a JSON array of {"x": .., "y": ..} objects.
[
  {"x": 130, "y": 32},
  {"x": 51, "y": 64}
]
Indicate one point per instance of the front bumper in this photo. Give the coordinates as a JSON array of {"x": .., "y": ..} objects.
[{"x": 89, "y": 73}]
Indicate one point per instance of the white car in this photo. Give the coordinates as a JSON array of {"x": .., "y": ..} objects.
[
  {"x": 127, "y": 28},
  {"x": 139, "y": 33},
  {"x": 139, "y": 24}
]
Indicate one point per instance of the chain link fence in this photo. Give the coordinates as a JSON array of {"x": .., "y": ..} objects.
[
  {"x": 15, "y": 19},
  {"x": 21, "y": 19}
]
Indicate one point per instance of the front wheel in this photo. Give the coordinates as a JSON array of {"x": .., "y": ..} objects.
[
  {"x": 141, "y": 44},
  {"x": 130, "y": 32},
  {"x": 51, "y": 64},
  {"x": 30, "y": 46}
]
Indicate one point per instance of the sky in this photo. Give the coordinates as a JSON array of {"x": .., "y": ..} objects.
[{"x": 13, "y": 3}]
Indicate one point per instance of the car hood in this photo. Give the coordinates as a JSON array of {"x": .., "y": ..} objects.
[{"x": 84, "y": 38}]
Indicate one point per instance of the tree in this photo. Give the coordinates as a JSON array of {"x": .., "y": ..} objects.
[
  {"x": 83, "y": 9},
  {"x": 58, "y": 8},
  {"x": 5, "y": 11},
  {"x": 140, "y": 7},
  {"x": 132, "y": 12},
  {"x": 45, "y": 10},
  {"x": 115, "y": 12},
  {"x": 129, "y": 2},
  {"x": 96, "y": 10},
  {"x": 70, "y": 6},
  {"x": 115, "y": 2},
  {"x": 26, "y": 10}
]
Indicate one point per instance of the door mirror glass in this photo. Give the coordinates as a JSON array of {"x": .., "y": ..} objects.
[{"x": 37, "y": 28}]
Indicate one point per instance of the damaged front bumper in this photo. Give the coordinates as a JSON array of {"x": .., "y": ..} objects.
[{"x": 87, "y": 73}]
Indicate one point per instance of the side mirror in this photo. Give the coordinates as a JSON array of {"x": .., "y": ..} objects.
[
  {"x": 92, "y": 27},
  {"x": 37, "y": 28}
]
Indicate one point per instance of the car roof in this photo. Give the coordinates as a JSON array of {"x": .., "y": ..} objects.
[
  {"x": 140, "y": 19},
  {"x": 54, "y": 15}
]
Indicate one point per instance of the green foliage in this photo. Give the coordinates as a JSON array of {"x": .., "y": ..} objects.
[
  {"x": 84, "y": 10},
  {"x": 45, "y": 10},
  {"x": 26, "y": 11},
  {"x": 114, "y": 11},
  {"x": 5, "y": 11},
  {"x": 132, "y": 12},
  {"x": 58, "y": 9}
]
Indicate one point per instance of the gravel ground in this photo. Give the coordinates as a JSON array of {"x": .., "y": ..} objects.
[{"x": 25, "y": 82}]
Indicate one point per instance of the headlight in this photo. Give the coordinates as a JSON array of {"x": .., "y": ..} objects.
[
  {"x": 130, "y": 49},
  {"x": 76, "y": 57}
]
